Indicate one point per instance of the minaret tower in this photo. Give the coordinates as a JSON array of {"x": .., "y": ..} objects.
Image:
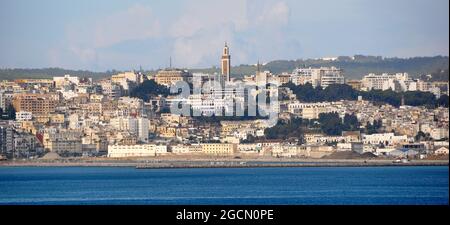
[{"x": 226, "y": 63}]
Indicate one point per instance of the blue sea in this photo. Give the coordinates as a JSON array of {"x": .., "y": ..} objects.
[{"x": 296, "y": 185}]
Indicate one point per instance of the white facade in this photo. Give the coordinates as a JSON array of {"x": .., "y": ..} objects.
[
  {"x": 441, "y": 151},
  {"x": 65, "y": 80},
  {"x": 24, "y": 116},
  {"x": 261, "y": 78},
  {"x": 145, "y": 150},
  {"x": 395, "y": 82},
  {"x": 249, "y": 147},
  {"x": 384, "y": 138},
  {"x": 439, "y": 133},
  {"x": 5, "y": 99},
  {"x": 138, "y": 126},
  {"x": 112, "y": 90},
  {"x": 186, "y": 149},
  {"x": 180, "y": 149},
  {"x": 323, "y": 76},
  {"x": 125, "y": 124},
  {"x": 142, "y": 129},
  {"x": 311, "y": 110}
]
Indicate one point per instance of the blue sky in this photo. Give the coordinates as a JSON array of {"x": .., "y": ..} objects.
[{"x": 125, "y": 34}]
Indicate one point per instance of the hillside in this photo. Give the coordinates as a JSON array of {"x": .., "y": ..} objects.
[
  {"x": 354, "y": 67},
  {"x": 361, "y": 65},
  {"x": 439, "y": 75},
  {"x": 11, "y": 74}
]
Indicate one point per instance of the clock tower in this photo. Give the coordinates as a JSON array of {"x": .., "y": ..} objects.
[{"x": 226, "y": 63}]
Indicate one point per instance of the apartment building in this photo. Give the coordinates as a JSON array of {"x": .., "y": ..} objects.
[
  {"x": 219, "y": 149},
  {"x": 169, "y": 77},
  {"x": 145, "y": 150},
  {"x": 37, "y": 104}
]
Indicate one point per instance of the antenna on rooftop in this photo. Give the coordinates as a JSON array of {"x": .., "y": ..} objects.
[
  {"x": 170, "y": 62},
  {"x": 257, "y": 67}
]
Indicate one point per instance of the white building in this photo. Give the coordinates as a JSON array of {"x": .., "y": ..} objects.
[
  {"x": 145, "y": 150},
  {"x": 441, "y": 151},
  {"x": 124, "y": 124},
  {"x": 186, "y": 149},
  {"x": 112, "y": 90},
  {"x": 323, "y": 76},
  {"x": 68, "y": 94},
  {"x": 395, "y": 82},
  {"x": 249, "y": 148},
  {"x": 65, "y": 80},
  {"x": 439, "y": 133},
  {"x": 6, "y": 98},
  {"x": 180, "y": 149},
  {"x": 311, "y": 110},
  {"x": 142, "y": 129},
  {"x": 384, "y": 138},
  {"x": 262, "y": 77},
  {"x": 138, "y": 126},
  {"x": 24, "y": 116}
]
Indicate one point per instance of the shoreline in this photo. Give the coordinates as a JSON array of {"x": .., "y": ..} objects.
[{"x": 221, "y": 163}]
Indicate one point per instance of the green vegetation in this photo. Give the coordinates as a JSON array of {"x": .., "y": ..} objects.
[
  {"x": 351, "y": 123},
  {"x": 388, "y": 96},
  {"x": 285, "y": 130},
  {"x": 421, "y": 136},
  {"x": 328, "y": 123},
  {"x": 372, "y": 128},
  {"x": 443, "y": 101},
  {"x": 8, "y": 114},
  {"x": 148, "y": 89},
  {"x": 332, "y": 124},
  {"x": 361, "y": 65},
  {"x": 336, "y": 92},
  {"x": 439, "y": 75},
  {"x": 353, "y": 68},
  {"x": 49, "y": 73}
]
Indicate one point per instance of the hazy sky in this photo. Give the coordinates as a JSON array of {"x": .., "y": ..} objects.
[{"x": 124, "y": 34}]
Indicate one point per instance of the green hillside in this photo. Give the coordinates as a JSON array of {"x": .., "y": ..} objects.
[
  {"x": 362, "y": 65},
  {"x": 11, "y": 74},
  {"x": 354, "y": 67}
]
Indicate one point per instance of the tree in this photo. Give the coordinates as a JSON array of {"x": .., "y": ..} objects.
[
  {"x": 419, "y": 136},
  {"x": 336, "y": 92},
  {"x": 331, "y": 123},
  {"x": 372, "y": 128},
  {"x": 284, "y": 130},
  {"x": 148, "y": 89},
  {"x": 386, "y": 96},
  {"x": 351, "y": 122},
  {"x": 8, "y": 114},
  {"x": 443, "y": 101},
  {"x": 250, "y": 139},
  {"x": 418, "y": 98}
]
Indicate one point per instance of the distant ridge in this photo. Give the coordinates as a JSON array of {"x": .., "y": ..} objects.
[
  {"x": 359, "y": 65},
  {"x": 19, "y": 73},
  {"x": 354, "y": 67}
]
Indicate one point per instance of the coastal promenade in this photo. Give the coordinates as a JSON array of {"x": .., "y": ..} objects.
[{"x": 163, "y": 162}]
